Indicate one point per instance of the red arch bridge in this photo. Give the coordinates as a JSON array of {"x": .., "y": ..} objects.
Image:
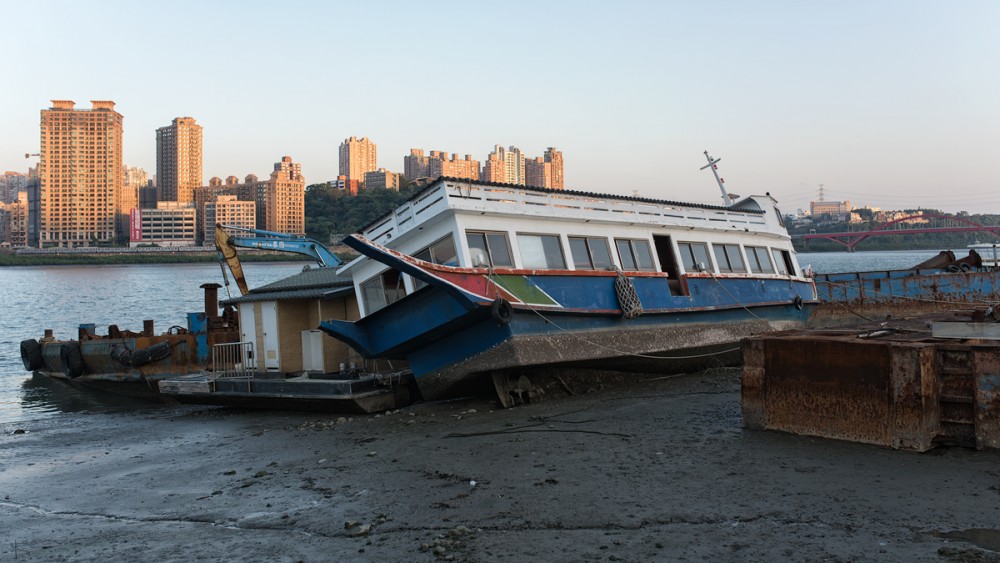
[{"x": 911, "y": 225}]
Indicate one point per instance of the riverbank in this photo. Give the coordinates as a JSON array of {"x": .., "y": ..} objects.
[
  {"x": 658, "y": 471},
  {"x": 10, "y": 259}
]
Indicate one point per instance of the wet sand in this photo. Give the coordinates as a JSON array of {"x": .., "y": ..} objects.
[{"x": 659, "y": 471}]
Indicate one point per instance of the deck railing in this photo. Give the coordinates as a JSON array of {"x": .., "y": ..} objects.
[{"x": 232, "y": 360}]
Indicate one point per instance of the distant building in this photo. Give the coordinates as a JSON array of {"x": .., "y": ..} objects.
[
  {"x": 135, "y": 179},
  {"x": 357, "y": 156},
  {"x": 545, "y": 171},
  {"x": 383, "y": 179},
  {"x": 171, "y": 223},
  {"x": 244, "y": 192},
  {"x": 10, "y": 184},
  {"x": 229, "y": 210},
  {"x": 415, "y": 165},
  {"x": 347, "y": 185},
  {"x": 442, "y": 164},
  {"x": 285, "y": 198},
  {"x": 439, "y": 163},
  {"x": 837, "y": 210},
  {"x": 178, "y": 159},
  {"x": 80, "y": 172},
  {"x": 505, "y": 166},
  {"x": 14, "y": 228}
]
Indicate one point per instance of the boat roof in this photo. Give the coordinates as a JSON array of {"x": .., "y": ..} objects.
[
  {"x": 313, "y": 283},
  {"x": 635, "y": 199}
]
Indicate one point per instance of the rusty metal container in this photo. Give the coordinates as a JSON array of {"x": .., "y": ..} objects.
[{"x": 905, "y": 391}]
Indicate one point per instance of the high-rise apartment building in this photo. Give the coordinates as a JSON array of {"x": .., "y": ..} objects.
[
  {"x": 286, "y": 193},
  {"x": 505, "y": 166},
  {"x": 357, "y": 156},
  {"x": 545, "y": 172},
  {"x": 415, "y": 165},
  {"x": 178, "y": 159},
  {"x": 80, "y": 173}
]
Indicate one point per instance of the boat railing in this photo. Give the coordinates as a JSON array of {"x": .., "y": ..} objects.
[{"x": 233, "y": 360}]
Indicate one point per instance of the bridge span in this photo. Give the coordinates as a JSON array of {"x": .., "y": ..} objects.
[{"x": 904, "y": 226}]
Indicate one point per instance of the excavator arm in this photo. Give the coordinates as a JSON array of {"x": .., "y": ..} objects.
[{"x": 227, "y": 244}]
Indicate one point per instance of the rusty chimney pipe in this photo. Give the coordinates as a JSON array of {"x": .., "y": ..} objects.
[{"x": 211, "y": 299}]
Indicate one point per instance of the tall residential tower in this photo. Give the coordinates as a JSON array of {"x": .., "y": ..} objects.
[
  {"x": 178, "y": 160},
  {"x": 80, "y": 173},
  {"x": 357, "y": 156}
]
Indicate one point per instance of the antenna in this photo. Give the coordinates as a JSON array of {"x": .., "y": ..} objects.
[
  {"x": 715, "y": 171},
  {"x": 821, "y": 194}
]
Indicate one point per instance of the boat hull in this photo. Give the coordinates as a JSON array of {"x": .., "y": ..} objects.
[{"x": 530, "y": 344}]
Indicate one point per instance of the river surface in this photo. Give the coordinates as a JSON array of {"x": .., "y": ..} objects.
[{"x": 62, "y": 297}]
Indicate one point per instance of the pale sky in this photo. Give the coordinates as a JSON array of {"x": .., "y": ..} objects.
[{"x": 888, "y": 103}]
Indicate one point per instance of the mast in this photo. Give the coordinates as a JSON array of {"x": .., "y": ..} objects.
[{"x": 715, "y": 171}]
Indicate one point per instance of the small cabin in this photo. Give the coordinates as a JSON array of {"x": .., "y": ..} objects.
[{"x": 280, "y": 320}]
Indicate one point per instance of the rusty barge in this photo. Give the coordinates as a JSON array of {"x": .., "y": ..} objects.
[{"x": 131, "y": 363}]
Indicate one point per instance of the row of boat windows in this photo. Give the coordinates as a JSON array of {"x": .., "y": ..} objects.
[
  {"x": 593, "y": 253},
  {"x": 488, "y": 248}
]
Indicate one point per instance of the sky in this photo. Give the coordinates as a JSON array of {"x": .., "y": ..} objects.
[{"x": 894, "y": 104}]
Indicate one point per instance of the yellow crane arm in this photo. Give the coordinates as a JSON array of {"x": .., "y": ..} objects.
[{"x": 228, "y": 253}]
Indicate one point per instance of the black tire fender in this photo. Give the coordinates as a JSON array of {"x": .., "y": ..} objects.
[
  {"x": 966, "y": 267},
  {"x": 502, "y": 311},
  {"x": 953, "y": 268},
  {"x": 72, "y": 360},
  {"x": 797, "y": 302},
  {"x": 31, "y": 354}
]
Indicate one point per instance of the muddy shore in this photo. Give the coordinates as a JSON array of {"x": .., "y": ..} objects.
[{"x": 659, "y": 471}]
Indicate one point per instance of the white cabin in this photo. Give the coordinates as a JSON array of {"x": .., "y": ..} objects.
[{"x": 471, "y": 223}]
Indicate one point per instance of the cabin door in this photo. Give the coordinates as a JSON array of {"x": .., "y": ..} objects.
[
  {"x": 269, "y": 320},
  {"x": 248, "y": 333},
  {"x": 668, "y": 263}
]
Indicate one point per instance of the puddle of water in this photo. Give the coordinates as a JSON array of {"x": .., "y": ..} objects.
[{"x": 986, "y": 538}]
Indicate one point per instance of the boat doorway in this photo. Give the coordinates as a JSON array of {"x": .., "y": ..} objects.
[{"x": 668, "y": 263}]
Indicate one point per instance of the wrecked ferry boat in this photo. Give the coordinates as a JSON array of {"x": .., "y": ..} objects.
[
  {"x": 472, "y": 282},
  {"x": 130, "y": 362}
]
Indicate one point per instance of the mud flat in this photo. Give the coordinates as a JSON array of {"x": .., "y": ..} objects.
[{"x": 659, "y": 471}]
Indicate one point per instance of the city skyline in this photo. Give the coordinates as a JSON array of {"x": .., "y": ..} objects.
[{"x": 886, "y": 103}]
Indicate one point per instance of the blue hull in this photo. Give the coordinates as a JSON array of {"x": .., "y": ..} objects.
[{"x": 847, "y": 298}]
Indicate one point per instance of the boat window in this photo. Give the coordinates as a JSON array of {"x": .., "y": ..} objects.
[
  {"x": 635, "y": 254},
  {"x": 783, "y": 260},
  {"x": 541, "y": 251},
  {"x": 728, "y": 257},
  {"x": 694, "y": 256},
  {"x": 590, "y": 253},
  {"x": 493, "y": 246},
  {"x": 382, "y": 290},
  {"x": 760, "y": 262},
  {"x": 441, "y": 252}
]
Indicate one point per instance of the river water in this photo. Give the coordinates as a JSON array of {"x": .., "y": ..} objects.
[{"x": 62, "y": 297}]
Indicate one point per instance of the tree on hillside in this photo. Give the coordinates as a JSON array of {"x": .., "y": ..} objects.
[{"x": 330, "y": 211}]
